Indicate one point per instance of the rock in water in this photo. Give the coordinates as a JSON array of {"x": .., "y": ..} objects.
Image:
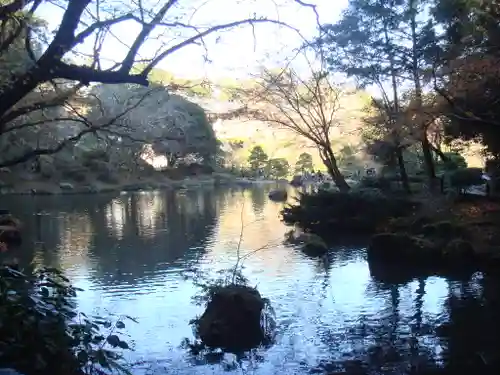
[
  {"x": 278, "y": 195},
  {"x": 232, "y": 319},
  {"x": 296, "y": 181},
  {"x": 399, "y": 247}
]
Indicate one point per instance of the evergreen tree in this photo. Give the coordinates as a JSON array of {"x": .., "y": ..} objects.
[
  {"x": 304, "y": 163},
  {"x": 257, "y": 159}
]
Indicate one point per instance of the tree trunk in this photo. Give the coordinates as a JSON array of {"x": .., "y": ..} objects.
[
  {"x": 424, "y": 141},
  {"x": 395, "y": 115},
  {"x": 333, "y": 170},
  {"x": 429, "y": 160},
  {"x": 439, "y": 153},
  {"x": 402, "y": 170}
]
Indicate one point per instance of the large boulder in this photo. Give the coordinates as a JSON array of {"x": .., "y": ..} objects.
[
  {"x": 459, "y": 251},
  {"x": 444, "y": 230},
  {"x": 401, "y": 247},
  {"x": 312, "y": 244},
  {"x": 278, "y": 195},
  {"x": 232, "y": 319}
]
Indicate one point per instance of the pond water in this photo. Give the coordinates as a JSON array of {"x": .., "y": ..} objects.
[{"x": 130, "y": 253}]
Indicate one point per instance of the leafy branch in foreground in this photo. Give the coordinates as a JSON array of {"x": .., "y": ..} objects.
[{"x": 45, "y": 334}]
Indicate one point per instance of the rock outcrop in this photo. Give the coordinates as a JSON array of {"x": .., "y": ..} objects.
[
  {"x": 278, "y": 195},
  {"x": 232, "y": 319}
]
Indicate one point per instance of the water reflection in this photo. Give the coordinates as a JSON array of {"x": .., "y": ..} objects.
[{"x": 129, "y": 252}]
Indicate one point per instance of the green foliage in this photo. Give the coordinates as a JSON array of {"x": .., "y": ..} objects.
[
  {"x": 347, "y": 157},
  {"x": 172, "y": 124},
  {"x": 304, "y": 163},
  {"x": 278, "y": 168},
  {"x": 381, "y": 183},
  {"x": 15, "y": 59},
  {"x": 455, "y": 161},
  {"x": 362, "y": 209},
  {"x": 209, "y": 286},
  {"x": 257, "y": 159},
  {"x": 470, "y": 44},
  {"x": 44, "y": 333}
]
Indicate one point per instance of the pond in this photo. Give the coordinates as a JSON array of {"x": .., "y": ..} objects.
[{"x": 131, "y": 253}]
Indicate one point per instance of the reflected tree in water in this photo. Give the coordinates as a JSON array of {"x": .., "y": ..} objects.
[
  {"x": 418, "y": 343},
  {"x": 155, "y": 231},
  {"x": 259, "y": 199}
]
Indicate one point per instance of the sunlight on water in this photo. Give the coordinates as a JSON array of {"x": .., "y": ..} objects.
[{"x": 129, "y": 253}]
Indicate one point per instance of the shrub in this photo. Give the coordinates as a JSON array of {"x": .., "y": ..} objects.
[
  {"x": 361, "y": 209},
  {"x": 464, "y": 178},
  {"x": 42, "y": 332},
  {"x": 109, "y": 178},
  {"x": 89, "y": 156},
  {"x": 455, "y": 161},
  {"x": 78, "y": 175},
  {"x": 381, "y": 183}
]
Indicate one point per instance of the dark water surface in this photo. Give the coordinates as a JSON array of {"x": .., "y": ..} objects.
[{"x": 130, "y": 252}]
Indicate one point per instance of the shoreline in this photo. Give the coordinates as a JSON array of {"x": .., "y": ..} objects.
[{"x": 40, "y": 187}]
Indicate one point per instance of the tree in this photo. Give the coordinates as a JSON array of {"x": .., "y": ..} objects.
[
  {"x": 347, "y": 156},
  {"x": 388, "y": 43},
  {"x": 304, "y": 163},
  {"x": 278, "y": 168},
  {"x": 454, "y": 161},
  {"x": 362, "y": 46},
  {"x": 177, "y": 128},
  {"x": 49, "y": 131},
  {"x": 419, "y": 58},
  {"x": 83, "y": 22},
  {"x": 257, "y": 159},
  {"x": 466, "y": 72},
  {"x": 306, "y": 107}
]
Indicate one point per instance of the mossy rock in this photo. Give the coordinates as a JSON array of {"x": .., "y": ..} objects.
[
  {"x": 313, "y": 245},
  {"x": 459, "y": 250},
  {"x": 400, "y": 247},
  {"x": 278, "y": 195},
  {"x": 445, "y": 230},
  {"x": 232, "y": 319}
]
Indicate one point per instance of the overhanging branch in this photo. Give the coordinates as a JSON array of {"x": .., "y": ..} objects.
[
  {"x": 86, "y": 75},
  {"x": 211, "y": 30},
  {"x": 7, "y": 10}
]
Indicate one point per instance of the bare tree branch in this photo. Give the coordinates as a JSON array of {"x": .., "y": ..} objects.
[
  {"x": 38, "y": 105},
  {"x": 211, "y": 30},
  {"x": 90, "y": 127},
  {"x": 306, "y": 107}
]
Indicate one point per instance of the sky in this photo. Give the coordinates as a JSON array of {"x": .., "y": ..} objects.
[{"x": 236, "y": 53}]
